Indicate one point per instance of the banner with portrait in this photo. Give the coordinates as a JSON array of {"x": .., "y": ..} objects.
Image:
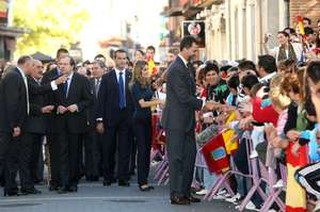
[
  {"x": 195, "y": 29},
  {"x": 4, "y": 8}
]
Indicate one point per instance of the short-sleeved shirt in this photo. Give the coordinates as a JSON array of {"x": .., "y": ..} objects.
[{"x": 138, "y": 93}]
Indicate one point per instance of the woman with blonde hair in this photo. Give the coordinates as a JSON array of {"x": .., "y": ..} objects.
[{"x": 143, "y": 101}]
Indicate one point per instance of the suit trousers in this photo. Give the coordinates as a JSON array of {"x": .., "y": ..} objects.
[
  {"x": 69, "y": 158},
  {"x": 36, "y": 162},
  {"x": 181, "y": 148},
  {"x": 17, "y": 153},
  {"x": 117, "y": 138},
  {"x": 8, "y": 161},
  {"x": 92, "y": 153},
  {"x": 142, "y": 128},
  {"x": 133, "y": 153},
  {"x": 54, "y": 159}
]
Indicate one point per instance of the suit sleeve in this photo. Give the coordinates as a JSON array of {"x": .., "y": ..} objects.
[
  {"x": 14, "y": 106},
  {"x": 35, "y": 110},
  {"x": 39, "y": 90},
  {"x": 87, "y": 97},
  {"x": 179, "y": 83}
]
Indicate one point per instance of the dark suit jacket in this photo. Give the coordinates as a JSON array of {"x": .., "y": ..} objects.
[
  {"x": 93, "y": 108},
  {"x": 35, "y": 122},
  {"x": 79, "y": 94},
  {"x": 49, "y": 99},
  {"x": 13, "y": 101},
  {"x": 108, "y": 99},
  {"x": 181, "y": 103}
]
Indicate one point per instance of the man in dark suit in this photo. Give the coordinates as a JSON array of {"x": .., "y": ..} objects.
[
  {"x": 52, "y": 130},
  {"x": 72, "y": 101},
  {"x": 93, "y": 140},
  {"x": 179, "y": 122},
  {"x": 14, "y": 109},
  {"x": 114, "y": 116},
  {"x": 35, "y": 127}
]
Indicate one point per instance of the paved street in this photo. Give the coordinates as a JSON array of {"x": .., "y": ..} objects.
[{"x": 94, "y": 197}]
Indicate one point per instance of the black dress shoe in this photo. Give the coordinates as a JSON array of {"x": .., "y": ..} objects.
[
  {"x": 30, "y": 191},
  {"x": 193, "y": 199},
  {"x": 73, "y": 189},
  {"x": 123, "y": 183},
  {"x": 95, "y": 178},
  {"x": 10, "y": 193},
  {"x": 53, "y": 188},
  {"x": 107, "y": 182},
  {"x": 63, "y": 190},
  {"x": 179, "y": 201}
]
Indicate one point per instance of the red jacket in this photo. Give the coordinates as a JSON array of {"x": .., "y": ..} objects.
[{"x": 264, "y": 115}]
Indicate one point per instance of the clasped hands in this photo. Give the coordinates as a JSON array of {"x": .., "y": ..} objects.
[{"x": 71, "y": 108}]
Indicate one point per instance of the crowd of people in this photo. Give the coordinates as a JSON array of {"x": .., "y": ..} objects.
[{"x": 94, "y": 119}]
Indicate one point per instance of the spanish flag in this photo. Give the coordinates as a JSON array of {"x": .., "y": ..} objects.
[
  {"x": 152, "y": 66},
  {"x": 229, "y": 135},
  {"x": 215, "y": 155},
  {"x": 299, "y": 21}
]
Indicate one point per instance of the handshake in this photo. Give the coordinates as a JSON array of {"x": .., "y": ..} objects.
[{"x": 211, "y": 105}]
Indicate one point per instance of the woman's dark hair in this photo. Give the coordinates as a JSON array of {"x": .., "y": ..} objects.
[
  {"x": 313, "y": 71},
  {"x": 211, "y": 67},
  {"x": 249, "y": 81},
  {"x": 284, "y": 33},
  {"x": 309, "y": 107},
  {"x": 233, "y": 82},
  {"x": 291, "y": 30}
]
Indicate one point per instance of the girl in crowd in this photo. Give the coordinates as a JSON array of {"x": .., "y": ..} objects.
[{"x": 142, "y": 94}]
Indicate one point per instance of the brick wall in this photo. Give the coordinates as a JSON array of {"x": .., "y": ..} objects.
[{"x": 305, "y": 8}]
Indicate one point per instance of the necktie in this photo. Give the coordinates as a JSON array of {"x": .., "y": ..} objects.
[
  {"x": 97, "y": 87},
  {"x": 122, "y": 99},
  {"x": 25, "y": 80},
  {"x": 65, "y": 88}
]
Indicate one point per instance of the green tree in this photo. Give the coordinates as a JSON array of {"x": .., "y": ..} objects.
[{"x": 51, "y": 24}]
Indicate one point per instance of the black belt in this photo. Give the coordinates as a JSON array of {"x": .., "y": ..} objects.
[{"x": 257, "y": 124}]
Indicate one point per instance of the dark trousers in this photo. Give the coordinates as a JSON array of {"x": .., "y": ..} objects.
[
  {"x": 54, "y": 159},
  {"x": 16, "y": 152},
  {"x": 133, "y": 153},
  {"x": 116, "y": 138},
  {"x": 92, "y": 153},
  {"x": 69, "y": 158},
  {"x": 241, "y": 162},
  {"x": 181, "y": 153},
  {"x": 142, "y": 129},
  {"x": 37, "y": 162}
]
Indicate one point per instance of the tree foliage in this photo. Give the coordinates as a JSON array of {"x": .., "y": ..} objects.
[{"x": 51, "y": 24}]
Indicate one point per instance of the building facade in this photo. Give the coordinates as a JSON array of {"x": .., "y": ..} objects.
[{"x": 235, "y": 29}]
